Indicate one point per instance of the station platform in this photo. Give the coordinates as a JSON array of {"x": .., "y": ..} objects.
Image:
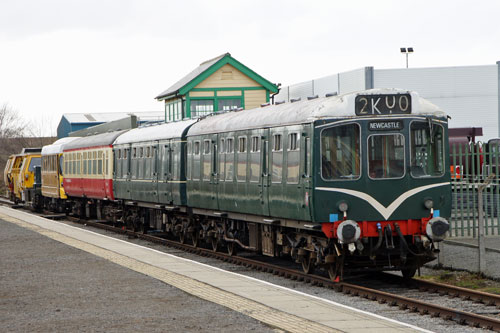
[{"x": 273, "y": 305}]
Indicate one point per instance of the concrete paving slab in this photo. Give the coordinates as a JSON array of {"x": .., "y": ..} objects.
[{"x": 275, "y": 306}]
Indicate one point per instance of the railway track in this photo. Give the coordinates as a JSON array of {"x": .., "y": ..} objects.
[{"x": 391, "y": 299}]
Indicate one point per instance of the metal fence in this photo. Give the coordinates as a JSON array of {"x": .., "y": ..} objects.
[{"x": 470, "y": 167}]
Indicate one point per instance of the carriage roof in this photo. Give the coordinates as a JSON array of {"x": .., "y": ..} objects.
[
  {"x": 306, "y": 111},
  {"x": 58, "y": 146},
  {"x": 99, "y": 140},
  {"x": 155, "y": 132}
]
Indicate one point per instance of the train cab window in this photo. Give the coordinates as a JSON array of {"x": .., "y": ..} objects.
[
  {"x": 277, "y": 156},
  {"x": 340, "y": 152},
  {"x": 35, "y": 161},
  {"x": 426, "y": 149},
  {"x": 293, "y": 159},
  {"x": 386, "y": 156}
]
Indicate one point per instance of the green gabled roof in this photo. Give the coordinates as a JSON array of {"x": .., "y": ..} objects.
[{"x": 209, "y": 67}]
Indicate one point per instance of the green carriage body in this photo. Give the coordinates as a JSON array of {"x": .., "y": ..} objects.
[
  {"x": 149, "y": 164},
  {"x": 267, "y": 163}
]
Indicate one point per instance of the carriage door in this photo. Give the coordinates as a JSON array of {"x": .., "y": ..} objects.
[
  {"x": 155, "y": 155},
  {"x": 214, "y": 173},
  {"x": 305, "y": 179},
  {"x": 264, "y": 172},
  {"x": 165, "y": 172}
]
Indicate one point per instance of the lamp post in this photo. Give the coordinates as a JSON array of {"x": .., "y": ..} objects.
[{"x": 406, "y": 50}]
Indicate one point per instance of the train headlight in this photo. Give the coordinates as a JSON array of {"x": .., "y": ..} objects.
[
  {"x": 348, "y": 232},
  {"x": 437, "y": 229},
  {"x": 429, "y": 204},
  {"x": 343, "y": 207}
]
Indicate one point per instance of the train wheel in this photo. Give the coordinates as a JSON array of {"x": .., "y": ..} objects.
[
  {"x": 182, "y": 237},
  {"x": 333, "y": 272},
  {"x": 231, "y": 248},
  {"x": 195, "y": 238},
  {"x": 307, "y": 264},
  {"x": 409, "y": 272},
  {"x": 215, "y": 244}
]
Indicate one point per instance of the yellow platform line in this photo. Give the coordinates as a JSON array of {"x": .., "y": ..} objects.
[{"x": 258, "y": 311}]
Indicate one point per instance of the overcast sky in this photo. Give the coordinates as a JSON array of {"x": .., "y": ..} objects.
[{"x": 64, "y": 56}]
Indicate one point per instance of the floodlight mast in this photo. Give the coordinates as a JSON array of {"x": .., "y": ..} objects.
[{"x": 406, "y": 50}]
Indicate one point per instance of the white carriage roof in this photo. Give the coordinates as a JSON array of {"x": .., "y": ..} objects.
[
  {"x": 104, "y": 139},
  {"x": 341, "y": 106},
  {"x": 155, "y": 132},
  {"x": 58, "y": 146}
]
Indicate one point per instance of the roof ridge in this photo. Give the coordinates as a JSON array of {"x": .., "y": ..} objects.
[{"x": 218, "y": 57}]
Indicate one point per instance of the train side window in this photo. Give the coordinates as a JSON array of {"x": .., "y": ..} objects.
[
  {"x": 134, "y": 153},
  {"x": 65, "y": 158},
  {"x": 94, "y": 163},
  {"x": 293, "y": 159},
  {"x": 206, "y": 147},
  {"x": 196, "y": 161},
  {"x": 206, "y": 160},
  {"x": 229, "y": 159},
  {"x": 119, "y": 153},
  {"x": 277, "y": 155},
  {"x": 222, "y": 159},
  {"x": 99, "y": 163},
  {"x": 340, "y": 152},
  {"x": 197, "y": 148},
  {"x": 78, "y": 163},
  {"x": 241, "y": 170},
  {"x": 255, "y": 159},
  {"x": 106, "y": 163},
  {"x": 125, "y": 153},
  {"x": 84, "y": 163}
]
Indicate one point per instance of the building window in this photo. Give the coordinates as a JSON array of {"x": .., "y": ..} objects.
[
  {"x": 229, "y": 104},
  {"x": 201, "y": 107}
]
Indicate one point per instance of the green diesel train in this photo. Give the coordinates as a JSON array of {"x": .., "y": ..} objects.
[{"x": 355, "y": 182}]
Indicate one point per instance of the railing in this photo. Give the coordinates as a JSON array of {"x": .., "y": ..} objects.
[{"x": 470, "y": 166}]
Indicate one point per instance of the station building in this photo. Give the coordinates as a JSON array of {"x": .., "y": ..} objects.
[
  {"x": 218, "y": 84},
  {"x": 469, "y": 94}
]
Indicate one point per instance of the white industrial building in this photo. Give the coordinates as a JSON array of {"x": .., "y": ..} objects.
[{"x": 469, "y": 94}]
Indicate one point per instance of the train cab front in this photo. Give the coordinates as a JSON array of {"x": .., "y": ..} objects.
[{"x": 384, "y": 191}]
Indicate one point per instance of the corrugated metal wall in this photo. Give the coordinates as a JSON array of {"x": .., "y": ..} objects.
[
  {"x": 469, "y": 94},
  {"x": 338, "y": 83}
]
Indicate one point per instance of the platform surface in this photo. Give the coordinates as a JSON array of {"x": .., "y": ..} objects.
[{"x": 274, "y": 305}]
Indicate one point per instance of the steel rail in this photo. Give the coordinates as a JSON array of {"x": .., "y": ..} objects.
[{"x": 461, "y": 317}]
